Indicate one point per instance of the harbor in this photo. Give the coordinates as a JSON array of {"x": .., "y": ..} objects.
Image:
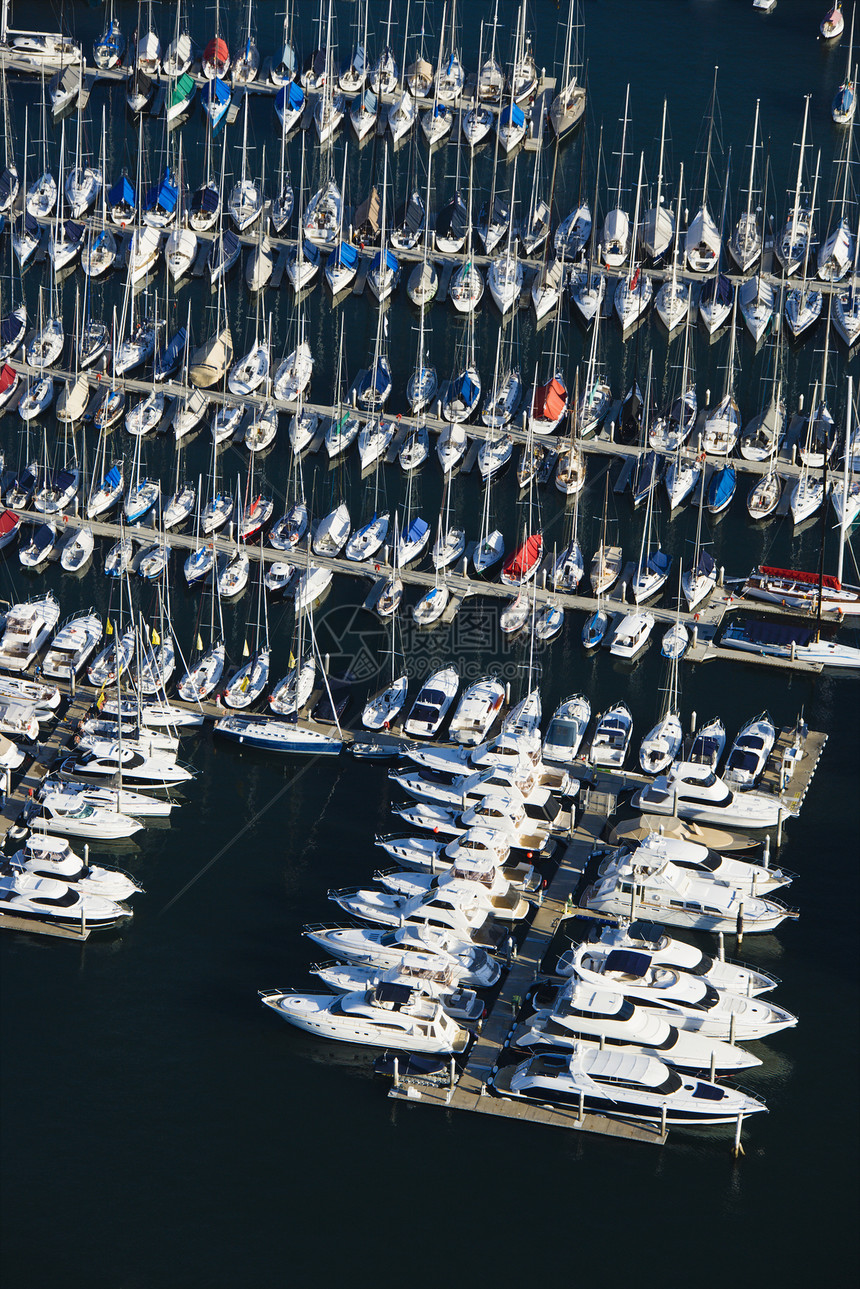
[{"x": 429, "y": 635}]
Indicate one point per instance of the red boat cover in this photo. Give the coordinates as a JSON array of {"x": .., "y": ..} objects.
[
  {"x": 7, "y": 378},
  {"x": 524, "y": 558},
  {"x": 216, "y": 51},
  {"x": 794, "y": 575},
  {"x": 549, "y": 401},
  {"x": 8, "y": 523}
]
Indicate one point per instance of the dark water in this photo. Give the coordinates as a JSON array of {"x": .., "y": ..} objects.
[{"x": 160, "y": 1128}]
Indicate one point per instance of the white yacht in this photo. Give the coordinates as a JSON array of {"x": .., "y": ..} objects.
[
  {"x": 137, "y": 804},
  {"x": 52, "y": 857},
  {"x": 44, "y": 899},
  {"x": 417, "y": 947},
  {"x": 563, "y": 739},
  {"x": 612, "y": 737},
  {"x": 750, "y": 750},
  {"x": 27, "y": 630},
  {"x": 156, "y": 771},
  {"x": 679, "y": 897},
  {"x": 623, "y": 1085},
  {"x": 435, "y": 697},
  {"x": 632, "y": 635},
  {"x": 700, "y": 861},
  {"x": 440, "y": 985},
  {"x": 44, "y": 699},
  {"x": 65, "y": 816},
  {"x": 693, "y": 791},
  {"x": 385, "y": 1015},
  {"x": 468, "y": 912},
  {"x": 686, "y": 1000},
  {"x": 607, "y": 1017},
  {"x": 645, "y": 937},
  {"x": 476, "y": 712}
]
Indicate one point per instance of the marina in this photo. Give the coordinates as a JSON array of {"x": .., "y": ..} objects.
[{"x": 429, "y": 631}]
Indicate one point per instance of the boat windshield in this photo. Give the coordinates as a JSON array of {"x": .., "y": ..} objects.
[{"x": 562, "y": 733}]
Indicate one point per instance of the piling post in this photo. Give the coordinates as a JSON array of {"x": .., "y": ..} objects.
[
  {"x": 693, "y": 717},
  {"x": 451, "y": 1073},
  {"x": 740, "y": 925},
  {"x": 766, "y": 860},
  {"x": 713, "y": 1065},
  {"x": 581, "y": 1106},
  {"x": 732, "y": 1030},
  {"x": 722, "y": 949},
  {"x": 738, "y": 1149},
  {"x": 779, "y": 828},
  {"x": 663, "y": 1119},
  {"x": 86, "y": 854},
  {"x": 396, "y": 1072}
]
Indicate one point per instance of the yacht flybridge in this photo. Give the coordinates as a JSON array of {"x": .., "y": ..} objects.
[{"x": 385, "y": 1015}]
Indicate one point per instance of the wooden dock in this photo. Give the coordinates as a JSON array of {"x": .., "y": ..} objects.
[{"x": 470, "y": 1087}]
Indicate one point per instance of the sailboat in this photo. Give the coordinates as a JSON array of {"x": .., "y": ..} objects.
[
  {"x": 661, "y": 745},
  {"x": 723, "y": 423},
  {"x": 634, "y": 291},
  {"x": 845, "y": 99},
  {"x": 110, "y": 46},
  {"x": 704, "y": 240},
  {"x": 615, "y": 238},
  {"x": 700, "y": 578},
  {"x": 745, "y": 243},
  {"x": 381, "y": 711},
  {"x": 568, "y": 106},
  {"x": 246, "y": 199},
  {"x": 791, "y": 244}
]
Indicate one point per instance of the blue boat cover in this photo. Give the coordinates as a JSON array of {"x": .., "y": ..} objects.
[
  {"x": 468, "y": 390},
  {"x": 10, "y": 327},
  {"x": 122, "y": 192},
  {"x": 31, "y": 223},
  {"x": 381, "y": 375},
  {"x": 229, "y": 243},
  {"x": 163, "y": 194},
  {"x": 706, "y": 564},
  {"x": 390, "y": 260},
  {"x": 113, "y": 478},
  {"x": 416, "y": 530},
  {"x": 297, "y": 95},
  {"x": 768, "y": 633},
  {"x": 205, "y": 199},
  {"x": 5, "y": 185},
  {"x": 218, "y": 90},
  {"x": 440, "y": 109},
  {"x": 514, "y": 115},
  {"x": 660, "y": 562},
  {"x": 844, "y": 99},
  {"x": 346, "y": 254},
  {"x": 722, "y": 486},
  {"x": 74, "y": 232},
  {"x": 370, "y": 102}
]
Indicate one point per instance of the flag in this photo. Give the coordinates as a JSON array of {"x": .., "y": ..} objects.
[
  {"x": 635, "y": 282},
  {"x": 156, "y": 638},
  {"x": 292, "y": 659},
  {"x": 199, "y": 643},
  {"x": 109, "y": 629},
  {"x": 246, "y": 652},
  {"x": 100, "y": 701}
]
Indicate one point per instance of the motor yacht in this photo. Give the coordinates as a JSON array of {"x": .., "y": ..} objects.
[
  {"x": 64, "y": 817},
  {"x": 53, "y": 857},
  {"x": 28, "y": 627},
  {"x": 136, "y": 804},
  {"x": 703, "y": 861},
  {"x": 665, "y": 951},
  {"x": 436, "y": 696},
  {"x": 45, "y": 899},
  {"x": 566, "y": 731},
  {"x": 477, "y": 712},
  {"x": 750, "y": 750},
  {"x": 693, "y": 791},
  {"x": 623, "y": 1085},
  {"x": 416, "y": 947},
  {"x": 617, "y": 1023},
  {"x": 155, "y": 771},
  {"x": 685, "y": 1000},
  {"x": 682, "y": 898},
  {"x": 612, "y": 737},
  {"x": 385, "y": 1015},
  {"x": 467, "y": 909},
  {"x": 632, "y": 635},
  {"x": 440, "y": 985}
]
